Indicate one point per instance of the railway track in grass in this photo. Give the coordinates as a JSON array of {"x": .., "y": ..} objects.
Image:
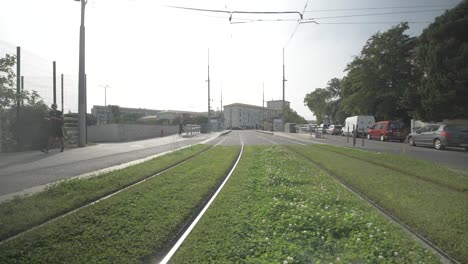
[
  {"x": 188, "y": 227},
  {"x": 106, "y": 196},
  {"x": 445, "y": 257}
]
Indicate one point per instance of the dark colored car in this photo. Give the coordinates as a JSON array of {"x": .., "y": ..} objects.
[
  {"x": 388, "y": 130},
  {"x": 440, "y": 136}
]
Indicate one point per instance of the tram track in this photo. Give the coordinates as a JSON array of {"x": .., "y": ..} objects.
[
  {"x": 183, "y": 233},
  {"x": 106, "y": 196},
  {"x": 445, "y": 257}
]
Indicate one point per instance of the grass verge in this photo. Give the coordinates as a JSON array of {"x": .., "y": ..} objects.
[
  {"x": 127, "y": 227},
  {"x": 279, "y": 208},
  {"x": 436, "y": 212},
  {"x": 24, "y": 212},
  {"x": 418, "y": 168}
]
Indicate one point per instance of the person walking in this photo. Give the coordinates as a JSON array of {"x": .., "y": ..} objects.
[
  {"x": 55, "y": 119},
  {"x": 181, "y": 129}
]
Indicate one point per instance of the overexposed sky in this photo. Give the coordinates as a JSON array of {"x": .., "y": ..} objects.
[{"x": 155, "y": 57}]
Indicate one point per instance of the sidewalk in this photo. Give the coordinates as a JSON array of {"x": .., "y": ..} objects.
[{"x": 30, "y": 171}]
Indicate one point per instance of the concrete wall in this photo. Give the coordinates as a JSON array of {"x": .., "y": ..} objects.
[{"x": 127, "y": 132}]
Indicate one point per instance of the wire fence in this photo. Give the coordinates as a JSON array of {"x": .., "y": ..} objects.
[{"x": 37, "y": 73}]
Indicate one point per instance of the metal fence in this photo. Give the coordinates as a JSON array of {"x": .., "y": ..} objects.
[{"x": 37, "y": 75}]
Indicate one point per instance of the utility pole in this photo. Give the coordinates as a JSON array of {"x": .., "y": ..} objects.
[
  {"x": 82, "y": 82},
  {"x": 209, "y": 121},
  {"x": 22, "y": 90},
  {"x": 263, "y": 101},
  {"x": 54, "y": 81},
  {"x": 18, "y": 84},
  {"x": 61, "y": 77},
  {"x": 284, "y": 83},
  {"x": 105, "y": 93}
]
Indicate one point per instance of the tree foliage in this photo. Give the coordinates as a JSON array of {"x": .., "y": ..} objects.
[
  {"x": 30, "y": 130},
  {"x": 378, "y": 78},
  {"x": 443, "y": 60},
  {"x": 292, "y": 116},
  {"x": 401, "y": 77}
]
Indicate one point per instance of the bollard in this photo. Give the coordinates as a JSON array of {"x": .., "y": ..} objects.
[
  {"x": 362, "y": 135},
  {"x": 162, "y": 132},
  {"x": 347, "y": 135},
  {"x": 354, "y": 135}
]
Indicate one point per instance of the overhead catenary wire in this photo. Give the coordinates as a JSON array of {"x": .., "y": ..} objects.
[
  {"x": 298, "y": 24},
  {"x": 374, "y": 8}
]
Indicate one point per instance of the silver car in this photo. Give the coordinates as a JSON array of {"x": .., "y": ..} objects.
[{"x": 440, "y": 136}]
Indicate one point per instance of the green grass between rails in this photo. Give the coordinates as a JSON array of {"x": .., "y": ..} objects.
[
  {"x": 422, "y": 169},
  {"x": 435, "y": 211},
  {"x": 23, "y": 212},
  {"x": 279, "y": 208},
  {"x": 128, "y": 227}
]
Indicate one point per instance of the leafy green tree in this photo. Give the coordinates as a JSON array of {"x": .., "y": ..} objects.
[
  {"x": 378, "y": 78},
  {"x": 292, "y": 116},
  {"x": 115, "y": 113},
  {"x": 442, "y": 57},
  {"x": 317, "y": 103}
]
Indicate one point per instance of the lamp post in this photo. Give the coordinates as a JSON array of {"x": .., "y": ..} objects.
[
  {"x": 82, "y": 82},
  {"x": 105, "y": 93}
]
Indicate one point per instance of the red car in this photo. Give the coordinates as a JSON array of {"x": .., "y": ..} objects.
[{"x": 388, "y": 130}]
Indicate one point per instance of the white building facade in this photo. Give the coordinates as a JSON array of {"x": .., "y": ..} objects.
[{"x": 239, "y": 115}]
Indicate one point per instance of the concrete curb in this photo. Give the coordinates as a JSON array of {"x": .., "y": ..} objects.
[
  {"x": 225, "y": 132},
  {"x": 265, "y": 132},
  {"x": 95, "y": 173}
]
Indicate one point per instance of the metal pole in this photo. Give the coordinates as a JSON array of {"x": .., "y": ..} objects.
[
  {"x": 105, "y": 95},
  {"x": 62, "y": 90},
  {"x": 22, "y": 90},
  {"x": 54, "y": 81},
  {"x": 86, "y": 109},
  {"x": 18, "y": 84},
  {"x": 81, "y": 83},
  {"x": 209, "y": 114},
  {"x": 284, "y": 83}
]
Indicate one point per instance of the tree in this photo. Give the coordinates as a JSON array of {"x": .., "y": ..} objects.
[
  {"x": 442, "y": 57},
  {"x": 7, "y": 77},
  {"x": 378, "y": 78},
  {"x": 317, "y": 103},
  {"x": 292, "y": 116},
  {"x": 115, "y": 113}
]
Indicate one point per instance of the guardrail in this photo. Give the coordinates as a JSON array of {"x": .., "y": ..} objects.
[{"x": 192, "y": 130}]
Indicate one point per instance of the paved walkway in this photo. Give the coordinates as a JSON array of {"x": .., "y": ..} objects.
[{"x": 30, "y": 171}]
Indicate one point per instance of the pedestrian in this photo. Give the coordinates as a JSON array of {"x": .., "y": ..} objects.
[
  {"x": 55, "y": 120},
  {"x": 181, "y": 129}
]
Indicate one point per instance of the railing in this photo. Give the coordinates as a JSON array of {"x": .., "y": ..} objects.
[{"x": 192, "y": 130}]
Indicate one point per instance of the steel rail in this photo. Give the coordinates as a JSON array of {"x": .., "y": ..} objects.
[
  {"x": 109, "y": 195},
  {"x": 445, "y": 257},
  {"x": 190, "y": 225}
]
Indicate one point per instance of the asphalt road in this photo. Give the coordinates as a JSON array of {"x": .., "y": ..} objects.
[
  {"x": 28, "y": 170},
  {"x": 455, "y": 158}
]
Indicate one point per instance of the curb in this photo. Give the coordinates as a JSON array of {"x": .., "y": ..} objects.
[
  {"x": 265, "y": 132},
  {"x": 39, "y": 188}
]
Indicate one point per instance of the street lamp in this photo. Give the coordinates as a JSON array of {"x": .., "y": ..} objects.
[
  {"x": 105, "y": 93},
  {"x": 82, "y": 82}
]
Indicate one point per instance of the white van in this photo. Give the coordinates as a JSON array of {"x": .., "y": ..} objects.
[{"x": 362, "y": 122}]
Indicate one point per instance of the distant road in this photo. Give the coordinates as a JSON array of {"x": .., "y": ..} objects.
[{"x": 456, "y": 158}]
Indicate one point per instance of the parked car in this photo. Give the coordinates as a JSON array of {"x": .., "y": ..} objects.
[
  {"x": 440, "y": 136},
  {"x": 388, "y": 130},
  {"x": 334, "y": 130},
  {"x": 323, "y": 128},
  {"x": 361, "y": 122}
]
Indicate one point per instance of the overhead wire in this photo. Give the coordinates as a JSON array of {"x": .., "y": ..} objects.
[
  {"x": 298, "y": 24},
  {"x": 374, "y": 8}
]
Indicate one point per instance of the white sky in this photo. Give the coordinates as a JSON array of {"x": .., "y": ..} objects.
[{"x": 156, "y": 57}]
